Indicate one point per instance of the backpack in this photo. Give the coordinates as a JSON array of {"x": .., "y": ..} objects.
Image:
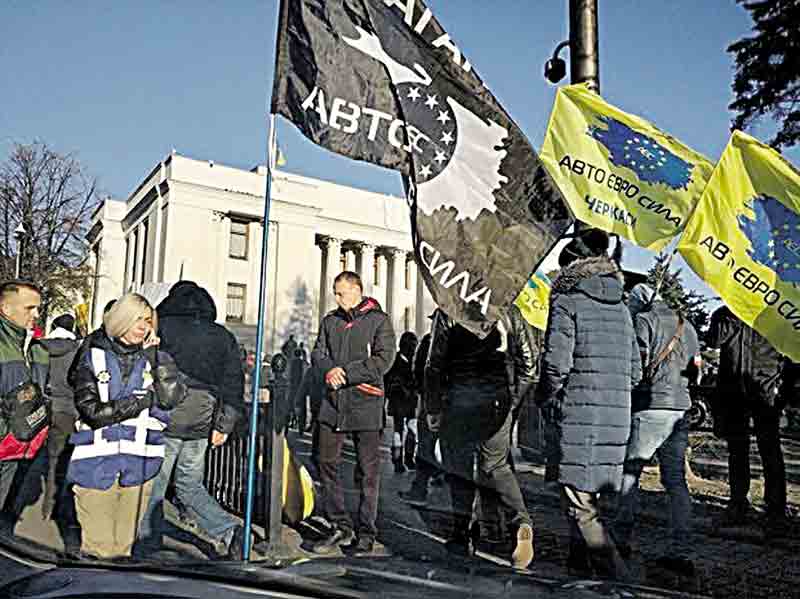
[{"x": 25, "y": 413}]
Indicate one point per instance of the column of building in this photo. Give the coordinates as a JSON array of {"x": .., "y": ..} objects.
[
  {"x": 396, "y": 284},
  {"x": 365, "y": 266},
  {"x": 332, "y": 255}
]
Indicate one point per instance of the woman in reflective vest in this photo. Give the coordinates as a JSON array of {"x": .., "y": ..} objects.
[{"x": 123, "y": 387}]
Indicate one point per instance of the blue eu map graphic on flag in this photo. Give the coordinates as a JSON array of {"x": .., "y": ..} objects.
[
  {"x": 774, "y": 236},
  {"x": 651, "y": 162}
]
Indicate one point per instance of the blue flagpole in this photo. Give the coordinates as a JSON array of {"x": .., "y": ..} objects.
[{"x": 256, "y": 386}]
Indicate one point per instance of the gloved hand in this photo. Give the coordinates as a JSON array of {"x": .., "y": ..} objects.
[{"x": 168, "y": 382}]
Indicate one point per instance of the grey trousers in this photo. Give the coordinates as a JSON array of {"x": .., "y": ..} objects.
[{"x": 587, "y": 529}]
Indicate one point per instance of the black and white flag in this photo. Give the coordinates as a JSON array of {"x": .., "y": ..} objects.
[{"x": 381, "y": 81}]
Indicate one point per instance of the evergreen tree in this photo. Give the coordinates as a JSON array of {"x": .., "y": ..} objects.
[
  {"x": 767, "y": 79},
  {"x": 690, "y": 304}
]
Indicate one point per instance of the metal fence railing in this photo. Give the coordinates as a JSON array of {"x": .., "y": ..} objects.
[{"x": 226, "y": 466}]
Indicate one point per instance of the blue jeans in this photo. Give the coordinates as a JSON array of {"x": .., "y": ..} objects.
[
  {"x": 188, "y": 459},
  {"x": 666, "y": 433}
]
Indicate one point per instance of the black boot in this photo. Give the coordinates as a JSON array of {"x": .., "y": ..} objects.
[
  {"x": 397, "y": 460},
  {"x": 578, "y": 562},
  {"x": 460, "y": 545}
]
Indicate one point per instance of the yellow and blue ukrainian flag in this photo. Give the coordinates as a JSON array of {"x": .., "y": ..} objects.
[{"x": 534, "y": 300}]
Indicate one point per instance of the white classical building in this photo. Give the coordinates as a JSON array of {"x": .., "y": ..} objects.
[{"x": 202, "y": 221}]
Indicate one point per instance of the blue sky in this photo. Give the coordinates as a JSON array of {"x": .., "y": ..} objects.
[{"x": 121, "y": 83}]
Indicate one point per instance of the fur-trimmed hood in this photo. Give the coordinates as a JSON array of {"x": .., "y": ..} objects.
[{"x": 599, "y": 278}]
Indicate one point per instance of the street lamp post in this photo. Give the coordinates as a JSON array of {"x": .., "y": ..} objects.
[
  {"x": 19, "y": 236},
  {"x": 584, "y": 59}
]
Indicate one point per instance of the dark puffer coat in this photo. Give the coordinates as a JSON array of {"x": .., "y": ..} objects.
[
  {"x": 362, "y": 342},
  {"x": 62, "y": 347},
  {"x": 590, "y": 363},
  {"x": 208, "y": 355}
]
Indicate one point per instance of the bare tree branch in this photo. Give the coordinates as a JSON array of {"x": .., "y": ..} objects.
[{"x": 51, "y": 196}]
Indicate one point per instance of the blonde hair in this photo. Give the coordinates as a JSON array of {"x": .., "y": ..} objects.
[{"x": 126, "y": 312}]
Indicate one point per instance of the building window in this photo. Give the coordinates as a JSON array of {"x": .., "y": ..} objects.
[
  {"x": 145, "y": 238},
  {"x": 162, "y": 254},
  {"x": 408, "y": 317},
  {"x": 343, "y": 262},
  {"x": 95, "y": 284},
  {"x": 376, "y": 271},
  {"x": 235, "y": 304},
  {"x": 238, "y": 241},
  {"x": 127, "y": 259},
  {"x": 135, "y": 254}
]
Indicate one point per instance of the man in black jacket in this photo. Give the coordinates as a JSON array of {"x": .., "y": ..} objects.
[
  {"x": 61, "y": 345},
  {"x": 402, "y": 403},
  {"x": 354, "y": 350},
  {"x": 472, "y": 388},
  {"x": 748, "y": 387},
  {"x": 427, "y": 466},
  {"x": 208, "y": 356}
]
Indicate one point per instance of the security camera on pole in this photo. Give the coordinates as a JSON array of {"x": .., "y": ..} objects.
[
  {"x": 584, "y": 58},
  {"x": 584, "y": 62}
]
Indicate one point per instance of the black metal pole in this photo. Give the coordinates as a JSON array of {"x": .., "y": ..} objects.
[{"x": 584, "y": 58}]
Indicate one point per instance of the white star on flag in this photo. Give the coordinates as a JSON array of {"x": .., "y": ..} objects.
[
  {"x": 432, "y": 102},
  {"x": 425, "y": 171},
  {"x": 447, "y": 138},
  {"x": 413, "y": 94},
  {"x": 645, "y": 152},
  {"x": 440, "y": 157},
  {"x": 443, "y": 117}
]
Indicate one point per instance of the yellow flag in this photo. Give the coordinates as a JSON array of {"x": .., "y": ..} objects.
[
  {"x": 744, "y": 239},
  {"x": 618, "y": 172},
  {"x": 534, "y": 300}
]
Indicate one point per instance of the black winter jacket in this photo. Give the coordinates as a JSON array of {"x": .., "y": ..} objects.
[
  {"x": 400, "y": 392},
  {"x": 362, "y": 342},
  {"x": 590, "y": 362},
  {"x": 504, "y": 359},
  {"x": 62, "y": 350},
  {"x": 208, "y": 354},
  {"x": 418, "y": 370},
  {"x": 749, "y": 367},
  {"x": 167, "y": 390}
]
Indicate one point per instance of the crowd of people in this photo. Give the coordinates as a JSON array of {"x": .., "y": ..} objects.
[
  {"x": 611, "y": 378},
  {"x": 122, "y": 412},
  {"x": 134, "y": 407}
]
